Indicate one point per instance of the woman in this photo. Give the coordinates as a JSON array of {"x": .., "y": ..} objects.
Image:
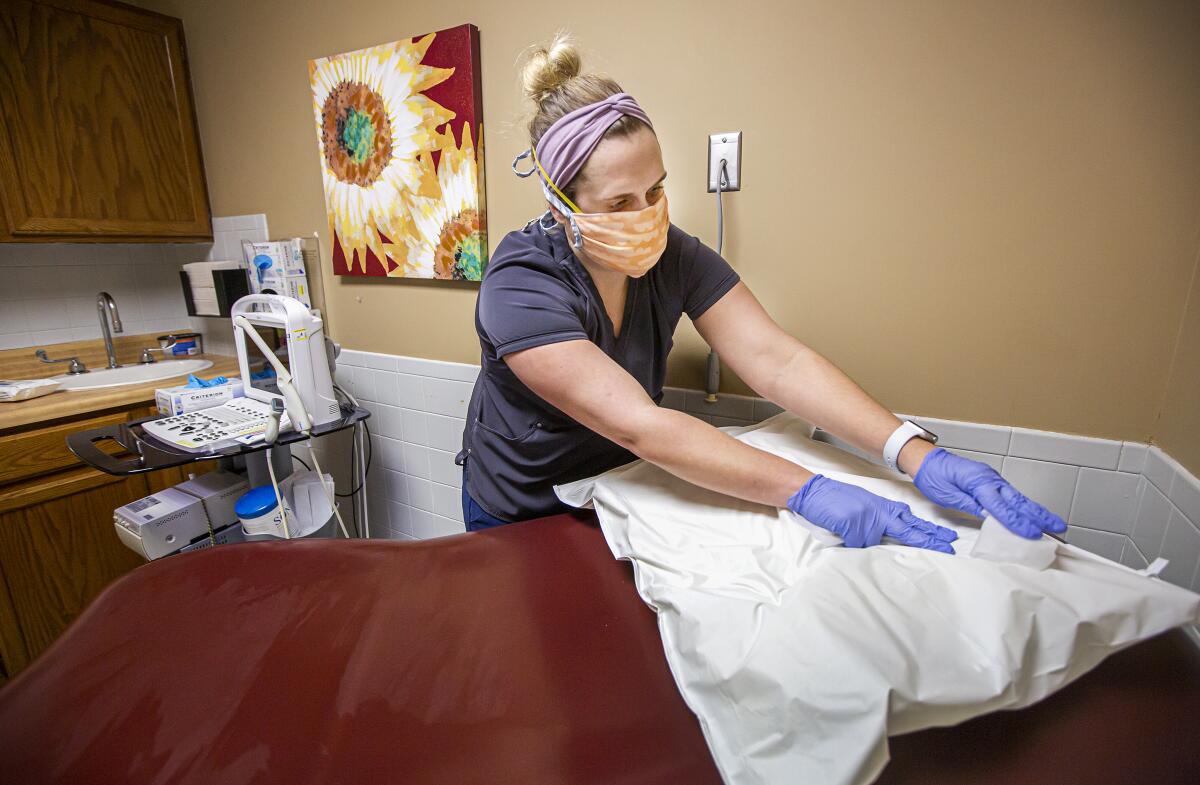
[{"x": 575, "y": 318}]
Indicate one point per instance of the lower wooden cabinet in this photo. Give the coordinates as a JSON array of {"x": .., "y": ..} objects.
[
  {"x": 58, "y": 549},
  {"x": 57, "y": 553}
]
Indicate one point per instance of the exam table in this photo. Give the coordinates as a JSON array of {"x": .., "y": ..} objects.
[{"x": 520, "y": 654}]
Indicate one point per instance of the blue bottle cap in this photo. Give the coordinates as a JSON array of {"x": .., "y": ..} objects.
[{"x": 256, "y": 502}]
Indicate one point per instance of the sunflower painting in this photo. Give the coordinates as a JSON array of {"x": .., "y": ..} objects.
[{"x": 401, "y": 139}]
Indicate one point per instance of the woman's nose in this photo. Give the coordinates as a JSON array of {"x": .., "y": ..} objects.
[{"x": 638, "y": 204}]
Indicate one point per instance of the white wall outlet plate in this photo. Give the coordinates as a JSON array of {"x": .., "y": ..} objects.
[{"x": 725, "y": 147}]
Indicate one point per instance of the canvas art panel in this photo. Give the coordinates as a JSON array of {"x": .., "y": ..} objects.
[{"x": 400, "y": 135}]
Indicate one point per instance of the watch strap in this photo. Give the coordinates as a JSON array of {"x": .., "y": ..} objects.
[{"x": 900, "y": 437}]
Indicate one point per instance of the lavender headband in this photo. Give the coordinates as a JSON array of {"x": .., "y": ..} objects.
[{"x": 565, "y": 146}]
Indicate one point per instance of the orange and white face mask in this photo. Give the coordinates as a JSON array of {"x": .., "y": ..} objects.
[{"x": 626, "y": 242}]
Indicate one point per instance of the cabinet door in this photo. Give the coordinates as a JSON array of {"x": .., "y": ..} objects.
[
  {"x": 58, "y": 553},
  {"x": 98, "y": 138}
]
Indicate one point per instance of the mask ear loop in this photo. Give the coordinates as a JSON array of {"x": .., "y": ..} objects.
[
  {"x": 527, "y": 154},
  {"x": 545, "y": 221},
  {"x": 552, "y": 195},
  {"x": 576, "y": 238}
]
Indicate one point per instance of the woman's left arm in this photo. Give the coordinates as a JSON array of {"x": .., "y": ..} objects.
[{"x": 786, "y": 372}]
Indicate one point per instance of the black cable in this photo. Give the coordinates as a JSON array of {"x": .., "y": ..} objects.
[
  {"x": 370, "y": 454},
  {"x": 302, "y": 463},
  {"x": 722, "y": 180},
  {"x": 355, "y": 436},
  {"x": 369, "y": 449}
]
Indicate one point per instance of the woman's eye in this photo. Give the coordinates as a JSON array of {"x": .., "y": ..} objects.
[{"x": 651, "y": 196}]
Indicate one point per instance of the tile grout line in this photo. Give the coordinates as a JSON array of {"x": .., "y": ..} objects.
[{"x": 1074, "y": 497}]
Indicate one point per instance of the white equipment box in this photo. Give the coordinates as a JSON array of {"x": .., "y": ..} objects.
[
  {"x": 219, "y": 492},
  {"x": 181, "y": 518},
  {"x": 161, "y": 523},
  {"x": 184, "y": 399}
]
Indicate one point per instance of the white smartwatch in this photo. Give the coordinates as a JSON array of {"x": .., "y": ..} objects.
[{"x": 907, "y": 430}]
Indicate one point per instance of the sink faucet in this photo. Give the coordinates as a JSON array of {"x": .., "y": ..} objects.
[{"x": 105, "y": 303}]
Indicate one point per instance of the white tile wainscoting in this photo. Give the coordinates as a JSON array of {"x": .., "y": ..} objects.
[
  {"x": 417, "y": 417},
  {"x": 1126, "y": 501}
]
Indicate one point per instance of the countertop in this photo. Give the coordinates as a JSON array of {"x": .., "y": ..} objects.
[{"x": 63, "y": 404}]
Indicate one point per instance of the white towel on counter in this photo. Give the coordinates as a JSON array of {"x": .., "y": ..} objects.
[{"x": 800, "y": 657}]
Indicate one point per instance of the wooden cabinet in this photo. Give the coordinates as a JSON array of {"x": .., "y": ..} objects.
[
  {"x": 57, "y": 545},
  {"x": 98, "y": 137},
  {"x": 58, "y": 553}
]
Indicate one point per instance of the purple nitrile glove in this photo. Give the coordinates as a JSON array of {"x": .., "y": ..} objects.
[
  {"x": 862, "y": 519},
  {"x": 976, "y": 488}
]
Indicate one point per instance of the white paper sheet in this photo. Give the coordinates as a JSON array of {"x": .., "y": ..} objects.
[
  {"x": 996, "y": 543},
  {"x": 800, "y": 656}
]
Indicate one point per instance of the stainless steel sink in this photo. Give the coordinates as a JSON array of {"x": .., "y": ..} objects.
[{"x": 130, "y": 374}]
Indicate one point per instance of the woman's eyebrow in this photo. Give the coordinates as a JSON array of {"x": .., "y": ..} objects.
[{"x": 622, "y": 196}]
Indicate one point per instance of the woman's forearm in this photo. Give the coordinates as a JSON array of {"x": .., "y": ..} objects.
[
  {"x": 806, "y": 384},
  {"x": 703, "y": 455},
  {"x": 814, "y": 388}
]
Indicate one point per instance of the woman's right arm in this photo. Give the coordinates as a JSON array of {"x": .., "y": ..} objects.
[{"x": 585, "y": 383}]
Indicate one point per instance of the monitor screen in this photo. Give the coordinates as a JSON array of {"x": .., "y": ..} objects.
[{"x": 262, "y": 373}]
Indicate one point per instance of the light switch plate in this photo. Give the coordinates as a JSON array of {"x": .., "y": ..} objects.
[{"x": 727, "y": 146}]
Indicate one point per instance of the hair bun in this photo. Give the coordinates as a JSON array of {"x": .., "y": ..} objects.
[{"x": 549, "y": 68}]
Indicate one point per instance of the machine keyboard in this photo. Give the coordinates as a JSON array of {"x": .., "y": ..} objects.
[{"x": 240, "y": 421}]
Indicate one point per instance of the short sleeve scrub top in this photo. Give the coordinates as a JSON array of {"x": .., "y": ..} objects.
[{"x": 516, "y": 447}]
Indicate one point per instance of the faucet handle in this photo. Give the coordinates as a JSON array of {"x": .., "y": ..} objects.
[
  {"x": 76, "y": 365},
  {"x": 147, "y": 356}
]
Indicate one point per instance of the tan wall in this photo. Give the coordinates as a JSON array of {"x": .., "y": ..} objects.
[
  {"x": 1178, "y": 432},
  {"x": 985, "y": 211}
]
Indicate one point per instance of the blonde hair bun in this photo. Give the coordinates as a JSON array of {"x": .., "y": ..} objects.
[{"x": 549, "y": 68}]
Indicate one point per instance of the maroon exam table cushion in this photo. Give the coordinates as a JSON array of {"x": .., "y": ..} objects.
[{"x": 520, "y": 654}]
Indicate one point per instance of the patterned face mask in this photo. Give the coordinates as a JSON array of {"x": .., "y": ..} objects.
[{"x": 626, "y": 242}]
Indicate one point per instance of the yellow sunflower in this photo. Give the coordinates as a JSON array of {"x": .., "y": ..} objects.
[
  {"x": 374, "y": 124},
  {"x": 447, "y": 235}
]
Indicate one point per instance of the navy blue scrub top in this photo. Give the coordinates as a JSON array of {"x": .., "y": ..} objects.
[{"x": 536, "y": 292}]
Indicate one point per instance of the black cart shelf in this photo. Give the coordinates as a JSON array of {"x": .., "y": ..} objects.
[{"x": 144, "y": 453}]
